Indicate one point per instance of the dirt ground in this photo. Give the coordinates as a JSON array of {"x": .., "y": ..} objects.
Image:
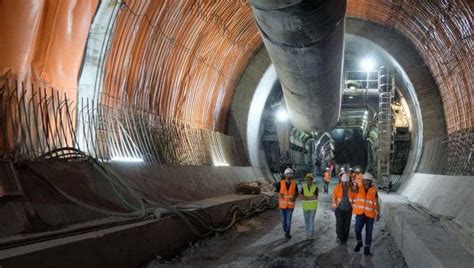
[{"x": 259, "y": 242}]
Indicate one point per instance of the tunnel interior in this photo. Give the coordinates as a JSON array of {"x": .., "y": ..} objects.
[
  {"x": 127, "y": 115},
  {"x": 357, "y": 130}
]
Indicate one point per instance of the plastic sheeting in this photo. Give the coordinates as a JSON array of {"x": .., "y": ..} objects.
[
  {"x": 41, "y": 46},
  {"x": 43, "y": 41}
]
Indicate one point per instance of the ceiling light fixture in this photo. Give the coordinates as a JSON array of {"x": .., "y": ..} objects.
[
  {"x": 127, "y": 159},
  {"x": 282, "y": 115},
  {"x": 367, "y": 64}
]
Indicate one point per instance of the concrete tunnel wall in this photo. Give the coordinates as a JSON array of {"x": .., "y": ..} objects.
[{"x": 184, "y": 60}]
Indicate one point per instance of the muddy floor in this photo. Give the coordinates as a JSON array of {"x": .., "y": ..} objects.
[{"x": 259, "y": 242}]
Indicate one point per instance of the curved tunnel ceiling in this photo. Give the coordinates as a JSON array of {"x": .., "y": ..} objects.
[
  {"x": 186, "y": 57},
  {"x": 442, "y": 31},
  {"x": 182, "y": 59}
]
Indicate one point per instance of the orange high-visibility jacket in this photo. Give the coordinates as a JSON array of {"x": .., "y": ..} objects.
[
  {"x": 365, "y": 202},
  {"x": 285, "y": 194},
  {"x": 326, "y": 176},
  {"x": 337, "y": 195}
]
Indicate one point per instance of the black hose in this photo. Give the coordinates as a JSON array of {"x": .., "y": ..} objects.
[{"x": 195, "y": 219}]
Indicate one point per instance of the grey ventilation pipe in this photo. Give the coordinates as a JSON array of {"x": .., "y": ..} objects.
[{"x": 305, "y": 41}]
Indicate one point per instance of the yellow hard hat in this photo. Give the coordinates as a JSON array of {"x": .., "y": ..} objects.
[{"x": 309, "y": 176}]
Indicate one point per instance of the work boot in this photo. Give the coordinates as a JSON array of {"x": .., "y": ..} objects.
[
  {"x": 367, "y": 251},
  {"x": 287, "y": 236},
  {"x": 357, "y": 248}
]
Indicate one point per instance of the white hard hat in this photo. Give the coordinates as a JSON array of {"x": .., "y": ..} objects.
[
  {"x": 288, "y": 171},
  {"x": 327, "y": 168},
  {"x": 368, "y": 176},
  {"x": 344, "y": 178},
  {"x": 350, "y": 169},
  {"x": 357, "y": 169},
  {"x": 343, "y": 169}
]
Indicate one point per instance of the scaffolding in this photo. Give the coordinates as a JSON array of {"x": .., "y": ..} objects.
[{"x": 385, "y": 123}]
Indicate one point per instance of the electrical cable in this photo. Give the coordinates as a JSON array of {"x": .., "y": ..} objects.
[{"x": 195, "y": 218}]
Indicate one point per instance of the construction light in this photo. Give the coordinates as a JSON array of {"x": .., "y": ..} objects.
[
  {"x": 221, "y": 164},
  {"x": 127, "y": 159},
  {"x": 282, "y": 115},
  {"x": 367, "y": 64}
]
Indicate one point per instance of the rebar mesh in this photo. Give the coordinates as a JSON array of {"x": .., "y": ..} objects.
[
  {"x": 36, "y": 122},
  {"x": 461, "y": 153}
]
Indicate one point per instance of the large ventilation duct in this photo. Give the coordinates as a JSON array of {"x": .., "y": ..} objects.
[{"x": 305, "y": 41}]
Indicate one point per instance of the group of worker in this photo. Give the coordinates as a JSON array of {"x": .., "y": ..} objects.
[{"x": 354, "y": 194}]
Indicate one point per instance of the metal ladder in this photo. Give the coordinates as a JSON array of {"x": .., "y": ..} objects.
[{"x": 385, "y": 117}]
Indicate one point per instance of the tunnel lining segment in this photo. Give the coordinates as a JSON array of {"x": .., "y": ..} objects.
[{"x": 259, "y": 99}]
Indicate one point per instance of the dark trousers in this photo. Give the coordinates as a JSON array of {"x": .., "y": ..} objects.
[
  {"x": 343, "y": 224},
  {"x": 286, "y": 215},
  {"x": 326, "y": 187},
  {"x": 362, "y": 220}
]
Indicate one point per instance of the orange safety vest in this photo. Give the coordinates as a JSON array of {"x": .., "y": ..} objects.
[
  {"x": 327, "y": 177},
  {"x": 337, "y": 194},
  {"x": 285, "y": 194},
  {"x": 365, "y": 203}
]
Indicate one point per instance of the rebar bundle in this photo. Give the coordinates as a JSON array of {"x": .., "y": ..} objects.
[{"x": 38, "y": 122}]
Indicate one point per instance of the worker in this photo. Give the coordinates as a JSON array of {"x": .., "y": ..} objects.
[
  {"x": 309, "y": 197},
  {"x": 342, "y": 170},
  {"x": 327, "y": 179},
  {"x": 367, "y": 209},
  {"x": 287, "y": 197},
  {"x": 358, "y": 177},
  {"x": 339, "y": 176},
  {"x": 351, "y": 175},
  {"x": 332, "y": 170},
  {"x": 342, "y": 198}
]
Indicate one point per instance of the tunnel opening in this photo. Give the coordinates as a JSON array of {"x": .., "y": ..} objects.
[{"x": 355, "y": 141}]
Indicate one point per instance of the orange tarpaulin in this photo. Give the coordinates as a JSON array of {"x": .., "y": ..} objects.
[
  {"x": 41, "y": 45},
  {"x": 43, "y": 41}
]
